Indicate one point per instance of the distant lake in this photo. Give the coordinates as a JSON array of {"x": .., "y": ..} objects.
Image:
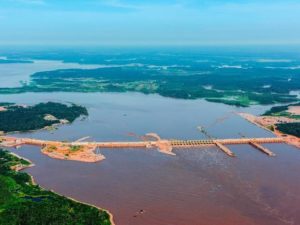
[{"x": 14, "y": 73}]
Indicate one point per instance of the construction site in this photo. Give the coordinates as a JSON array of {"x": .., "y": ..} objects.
[{"x": 89, "y": 151}]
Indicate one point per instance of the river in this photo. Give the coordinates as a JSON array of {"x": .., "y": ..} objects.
[{"x": 145, "y": 187}]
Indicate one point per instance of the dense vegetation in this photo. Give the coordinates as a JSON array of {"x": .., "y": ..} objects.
[
  {"x": 236, "y": 76},
  {"x": 23, "y": 203},
  {"x": 282, "y": 111},
  {"x": 289, "y": 128},
  {"x": 240, "y": 87},
  {"x": 19, "y": 118}
]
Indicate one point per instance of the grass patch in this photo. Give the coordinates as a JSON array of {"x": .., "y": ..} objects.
[{"x": 75, "y": 148}]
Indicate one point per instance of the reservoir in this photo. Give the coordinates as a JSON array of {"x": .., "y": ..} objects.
[{"x": 145, "y": 187}]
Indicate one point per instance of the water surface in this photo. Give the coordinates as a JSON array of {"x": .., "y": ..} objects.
[
  {"x": 203, "y": 186},
  {"x": 145, "y": 187}
]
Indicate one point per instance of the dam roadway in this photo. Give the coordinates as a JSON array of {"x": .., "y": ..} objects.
[{"x": 164, "y": 146}]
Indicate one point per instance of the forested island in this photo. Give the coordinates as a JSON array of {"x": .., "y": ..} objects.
[
  {"x": 227, "y": 85},
  {"x": 26, "y": 118},
  {"x": 23, "y": 202}
]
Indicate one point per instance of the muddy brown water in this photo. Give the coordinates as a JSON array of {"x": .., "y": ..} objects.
[{"x": 145, "y": 187}]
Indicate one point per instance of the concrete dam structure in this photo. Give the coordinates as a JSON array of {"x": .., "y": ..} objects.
[{"x": 164, "y": 146}]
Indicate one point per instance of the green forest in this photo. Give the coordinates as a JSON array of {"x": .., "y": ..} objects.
[
  {"x": 19, "y": 118},
  {"x": 228, "y": 86},
  {"x": 24, "y": 203},
  {"x": 282, "y": 111},
  {"x": 289, "y": 128}
]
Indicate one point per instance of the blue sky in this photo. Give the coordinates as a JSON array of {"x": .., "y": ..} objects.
[{"x": 155, "y": 22}]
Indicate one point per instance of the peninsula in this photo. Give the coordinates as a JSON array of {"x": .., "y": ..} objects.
[
  {"x": 283, "y": 121},
  {"x": 43, "y": 115},
  {"x": 24, "y": 202}
]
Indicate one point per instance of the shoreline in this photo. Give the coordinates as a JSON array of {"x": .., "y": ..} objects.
[
  {"x": 22, "y": 167},
  {"x": 251, "y": 118},
  {"x": 111, "y": 217},
  {"x": 48, "y": 117},
  {"x": 289, "y": 139},
  {"x": 46, "y": 128}
]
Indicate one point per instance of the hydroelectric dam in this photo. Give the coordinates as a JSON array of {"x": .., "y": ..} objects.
[{"x": 164, "y": 146}]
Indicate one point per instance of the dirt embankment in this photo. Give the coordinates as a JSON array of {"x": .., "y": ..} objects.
[
  {"x": 73, "y": 152},
  {"x": 295, "y": 110},
  {"x": 269, "y": 123},
  {"x": 2, "y": 109}
]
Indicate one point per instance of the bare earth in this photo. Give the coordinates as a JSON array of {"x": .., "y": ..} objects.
[
  {"x": 83, "y": 153},
  {"x": 294, "y": 110},
  {"x": 2, "y": 109},
  {"x": 266, "y": 122}
]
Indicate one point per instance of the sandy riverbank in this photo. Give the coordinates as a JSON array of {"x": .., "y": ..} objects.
[
  {"x": 269, "y": 123},
  {"x": 2, "y": 109},
  {"x": 295, "y": 110}
]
